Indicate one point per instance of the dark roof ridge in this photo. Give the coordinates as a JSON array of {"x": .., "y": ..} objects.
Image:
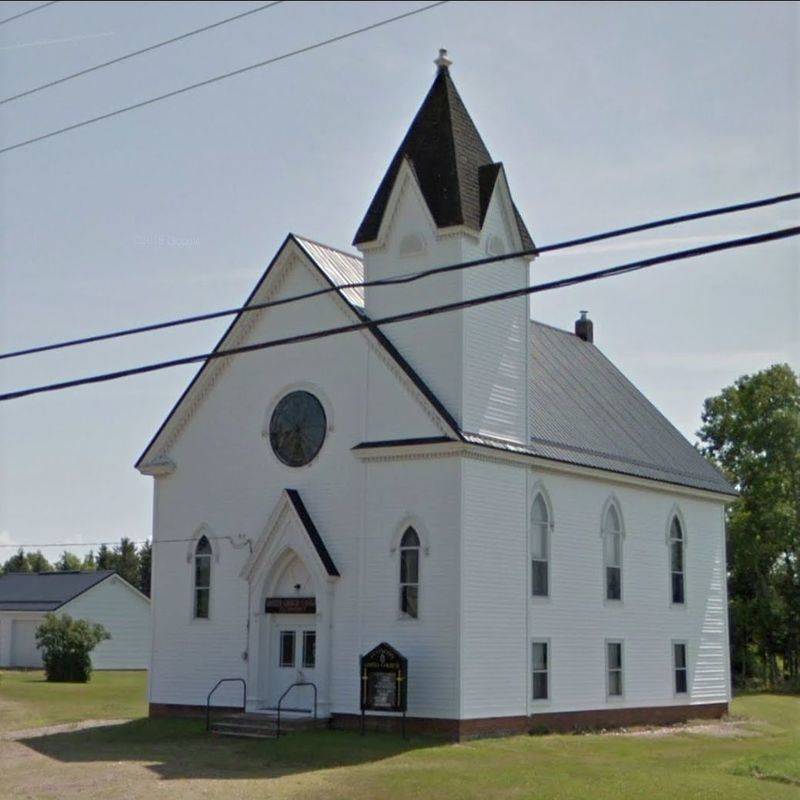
[{"x": 312, "y": 532}]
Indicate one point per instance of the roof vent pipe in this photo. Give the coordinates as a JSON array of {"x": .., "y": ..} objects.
[{"x": 584, "y": 329}]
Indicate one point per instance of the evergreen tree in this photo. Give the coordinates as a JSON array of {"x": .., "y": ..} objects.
[
  {"x": 17, "y": 563},
  {"x": 145, "y": 567},
  {"x": 105, "y": 558},
  {"x": 68, "y": 562},
  {"x": 38, "y": 563},
  {"x": 89, "y": 562},
  {"x": 126, "y": 561}
]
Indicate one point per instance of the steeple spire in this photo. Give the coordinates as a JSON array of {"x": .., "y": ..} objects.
[{"x": 455, "y": 171}]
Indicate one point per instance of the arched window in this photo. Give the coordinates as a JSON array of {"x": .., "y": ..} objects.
[
  {"x": 612, "y": 552},
  {"x": 676, "y": 543},
  {"x": 202, "y": 578},
  {"x": 409, "y": 573},
  {"x": 540, "y": 548}
]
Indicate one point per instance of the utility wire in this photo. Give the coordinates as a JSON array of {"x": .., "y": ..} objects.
[
  {"x": 29, "y": 11},
  {"x": 100, "y": 544},
  {"x": 409, "y": 315},
  {"x": 398, "y": 279},
  {"x": 139, "y": 52},
  {"x": 224, "y": 76}
]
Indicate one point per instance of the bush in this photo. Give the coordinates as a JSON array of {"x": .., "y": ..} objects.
[{"x": 65, "y": 644}]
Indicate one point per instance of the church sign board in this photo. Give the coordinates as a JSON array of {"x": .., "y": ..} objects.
[
  {"x": 384, "y": 674},
  {"x": 291, "y": 605}
]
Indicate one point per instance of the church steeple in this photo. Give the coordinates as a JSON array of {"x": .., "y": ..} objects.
[{"x": 450, "y": 161}]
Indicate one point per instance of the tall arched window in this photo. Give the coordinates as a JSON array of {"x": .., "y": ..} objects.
[
  {"x": 540, "y": 548},
  {"x": 612, "y": 552},
  {"x": 676, "y": 544},
  {"x": 409, "y": 573},
  {"x": 202, "y": 578}
]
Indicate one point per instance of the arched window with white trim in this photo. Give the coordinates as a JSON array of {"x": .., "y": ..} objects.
[
  {"x": 612, "y": 552},
  {"x": 676, "y": 561},
  {"x": 202, "y": 578},
  {"x": 409, "y": 574},
  {"x": 540, "y": 548}
]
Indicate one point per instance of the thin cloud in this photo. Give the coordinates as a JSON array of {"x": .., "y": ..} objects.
[
  {"x": 66, "y": 40},
  {"x": 662, "y": 241}
]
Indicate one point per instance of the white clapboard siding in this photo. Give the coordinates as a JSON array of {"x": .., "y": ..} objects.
[{"x": 125, "y": 614}]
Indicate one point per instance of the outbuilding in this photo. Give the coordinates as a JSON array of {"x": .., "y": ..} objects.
[{"x": 100, "y": 596}]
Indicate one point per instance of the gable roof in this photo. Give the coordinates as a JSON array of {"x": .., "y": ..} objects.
[
  {"x": 46, "y": 591},
  {"x": 452, "y": 166},
  {"x": 336, "y": 267},
  {"x": 583, "y": 410}
]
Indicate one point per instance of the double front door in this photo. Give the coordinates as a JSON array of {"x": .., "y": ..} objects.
[{"x": 293, "y": 657}]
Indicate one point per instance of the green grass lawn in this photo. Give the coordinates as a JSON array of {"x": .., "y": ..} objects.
[
  {"x": 177, "y": 759},
  {"x": 27, "y": 700}
]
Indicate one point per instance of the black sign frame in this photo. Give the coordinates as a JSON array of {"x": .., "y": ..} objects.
[
  {"x": 290, "y": 605},
  {"x": 383, "y": 674}
]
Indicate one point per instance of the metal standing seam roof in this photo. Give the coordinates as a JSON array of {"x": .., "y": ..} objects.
[
  {"x": 45, "y": 591},
  {"x": 340, "y": 267},
  {"x": 583, "y": 410}
]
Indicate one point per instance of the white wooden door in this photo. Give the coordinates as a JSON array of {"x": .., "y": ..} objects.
[{"x": 293, "y": 659}]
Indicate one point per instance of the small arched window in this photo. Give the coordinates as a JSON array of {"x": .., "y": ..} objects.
[
  {"x": 540, "y": 548},
  {"x": 676, "y": 546},
  {"x": 409, "y": 574},
  {"x": 612, "y": 552},
  {"x": 202, "y": 578}
]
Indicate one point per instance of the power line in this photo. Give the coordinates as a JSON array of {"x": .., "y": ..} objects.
[
  {"x": 139, "y": 52},
  {"x": 398, "y": 279},
  {"x": 224, "y": 76},
  {"x": 29, "y": 11},
  {"x": 116, "y": 542},
  {"x": 410, "y": 315}
]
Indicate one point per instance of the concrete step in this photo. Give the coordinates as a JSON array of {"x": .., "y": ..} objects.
[
  {"x": 245, "y": 733},
  {"x": 256, "y": 721},
  {"x": 264, "y": 726}
]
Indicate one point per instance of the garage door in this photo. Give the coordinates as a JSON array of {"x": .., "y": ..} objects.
[{"x": 23, "y": 644}]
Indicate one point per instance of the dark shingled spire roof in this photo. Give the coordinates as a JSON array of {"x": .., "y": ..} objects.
[{"x": 452, "y": 165}]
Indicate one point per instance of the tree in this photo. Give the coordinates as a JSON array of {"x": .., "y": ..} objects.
[
  {"x": 66, "y": 645},
  {"x": 752, "y": 431},
  {"x": 126, "y": 561},
  {"x": 89, "y": 562},
  {"x": 38, "y": 563},
  {"x": 145, "y": 567},
  {"x": 17, "y": 563},
  {"x": 105, "y": 558},
  {"x": 68, "y": 562}
]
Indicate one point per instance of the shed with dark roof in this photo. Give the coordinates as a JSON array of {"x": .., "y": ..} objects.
[{"x": 99, "y": 595}]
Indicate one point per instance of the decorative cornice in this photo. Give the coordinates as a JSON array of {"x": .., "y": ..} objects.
[
  {"x": 158, "y": 467},
  {"x": 415, "y": 452}
]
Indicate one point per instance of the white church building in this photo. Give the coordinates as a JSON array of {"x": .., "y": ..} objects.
[{"x": 487, "y": 494}]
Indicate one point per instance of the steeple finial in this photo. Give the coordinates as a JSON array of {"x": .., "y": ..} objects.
[{"x": 443, "y": 62}]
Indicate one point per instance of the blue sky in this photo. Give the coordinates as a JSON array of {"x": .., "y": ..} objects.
[{"x": 604, "y": 114}]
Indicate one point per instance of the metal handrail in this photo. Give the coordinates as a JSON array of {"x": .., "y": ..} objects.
[
  {"x": 289, "y": 689},
  {"x": 216, "y": 686}
]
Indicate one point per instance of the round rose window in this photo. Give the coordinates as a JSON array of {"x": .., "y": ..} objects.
[{"x": 297, "y": 428}]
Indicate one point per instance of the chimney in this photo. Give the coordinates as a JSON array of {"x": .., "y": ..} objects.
[{"x": 584, "y": 329}]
